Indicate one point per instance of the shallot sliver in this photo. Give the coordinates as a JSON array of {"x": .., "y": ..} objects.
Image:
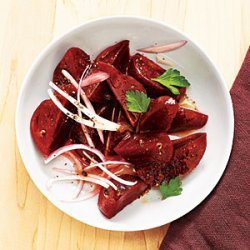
[
  {"x": 79, "y": 165},
  {"x": 164, "y": 48},
  {"x": 89, "y": 123},
  {"x": 89, "y": 105},
  {"x": 79, "y": 189},
  {"x": 81, "y": 92},
  {"x": 77, "y": 177},
  {"x": 67, "y": 171},
  {"x": 97, "y": 77},
  {"x": 89, "y": 157},
  {"x": 84, "y": 128},
  {"x": 113, "y": 176},
  {"x": 109, "y": 133},
  {"x": 107, "y": 163},
  {"x": 110, "y": 183},
  {"x": 96, "y": 118},
  {"x": 67, "y": 148}
]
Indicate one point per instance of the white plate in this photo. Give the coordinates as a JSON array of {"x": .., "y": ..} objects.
[{"x": 207, "y": 88}]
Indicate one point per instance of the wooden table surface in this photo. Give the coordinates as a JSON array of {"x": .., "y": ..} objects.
[{"x": 28, "y": 219}]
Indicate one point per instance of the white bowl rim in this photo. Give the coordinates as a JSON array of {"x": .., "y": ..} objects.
[{"x": 228, "y": 99}]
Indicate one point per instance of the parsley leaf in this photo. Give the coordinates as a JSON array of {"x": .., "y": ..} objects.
[
  {"x": 171, "y": 79},
  {"x": 172, "y": 188},
  {"x": 137, "y": 101}
]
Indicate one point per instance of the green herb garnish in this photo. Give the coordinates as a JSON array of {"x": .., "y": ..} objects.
[
  {"x": 172, "y": 188},
  {"x": 137, "y": 101},
  {"x": 171, "y": 79}
]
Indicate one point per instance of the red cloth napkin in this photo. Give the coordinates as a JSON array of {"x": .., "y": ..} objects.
[{"x": 222, "y": 220}]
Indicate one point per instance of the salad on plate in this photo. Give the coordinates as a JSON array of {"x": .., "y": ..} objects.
[{"x": 125, "y": 123}]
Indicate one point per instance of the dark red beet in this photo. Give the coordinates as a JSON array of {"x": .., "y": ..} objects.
[
  {"x": 160, "y": 114},
  {"x": 187, "y": 119},
  {"x": 98, "y": 92},
  {"x": 151, "y": 147},
  {"x": 110, "y": 201},
  {"x": 49, "y": 127},
  {"x": 119, "y": 84},
  {"x": 188, "y": 151},
  {"x": 116, "y": 55},
  {"x": 75, "y": 62},
  {"x": 143, "y": 69}
]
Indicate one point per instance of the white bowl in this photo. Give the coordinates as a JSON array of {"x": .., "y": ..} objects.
[{"x": 207, "y": 88}]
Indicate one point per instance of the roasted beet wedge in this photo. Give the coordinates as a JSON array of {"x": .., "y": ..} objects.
[
  {"x": 160, "y": 115},
  {"x": 116, "y": 55},
  {"x": 75, "y": 62},
  {"x": 151, "y": 147},
  {"x": 187, "y": 119},
  {"x": 119, "y": 84},
  {"x": 110, "y": 201},
  {"x": 49, "y": 127},
  {"x": 98, "y": 92},
  {"x": 143, "y": 69},
  {"x": 188, "y": 151}
]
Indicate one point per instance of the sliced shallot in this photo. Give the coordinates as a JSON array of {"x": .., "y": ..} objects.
[
  {"x": 164, "y": 48},
  {"x": 95, "y": 122},
  {"x": 77, "y": 177},
  {"x": 67, "y": 148},
  {"x": 84, "y": 128},
  {"x": 107, "y": 163},
  {"x": 86, "y": 100},
  {"x": 97, "y": 77},
  {"x": 113, "y": 176},
  {"x": 89, "y": 157},
  {"x": 79, "y": 189},
  {"x": 110, "y": 183}
]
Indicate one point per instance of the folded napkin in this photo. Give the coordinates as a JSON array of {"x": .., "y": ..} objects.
[{"x": 222, "y": 220}]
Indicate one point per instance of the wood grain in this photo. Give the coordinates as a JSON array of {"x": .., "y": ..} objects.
[{"x": 28, "y": 220}]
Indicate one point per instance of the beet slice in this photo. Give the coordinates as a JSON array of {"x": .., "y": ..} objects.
[
  {"x": 49, "y": 127},
  {"x": 160, "y": 115},
  {"x": 116, "y": 55},
  {"x": 119, "y": 84},
  {"x": 151, "y": 147},
  {"x": 75, "y": 62},
  {"x": 143, "y": 69},
  {"x": 110, "y": 201},
  {"x": 187, "y": 119},
  {"x": 188, "y": 151},
  {"x": 98, "y": 92}
]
